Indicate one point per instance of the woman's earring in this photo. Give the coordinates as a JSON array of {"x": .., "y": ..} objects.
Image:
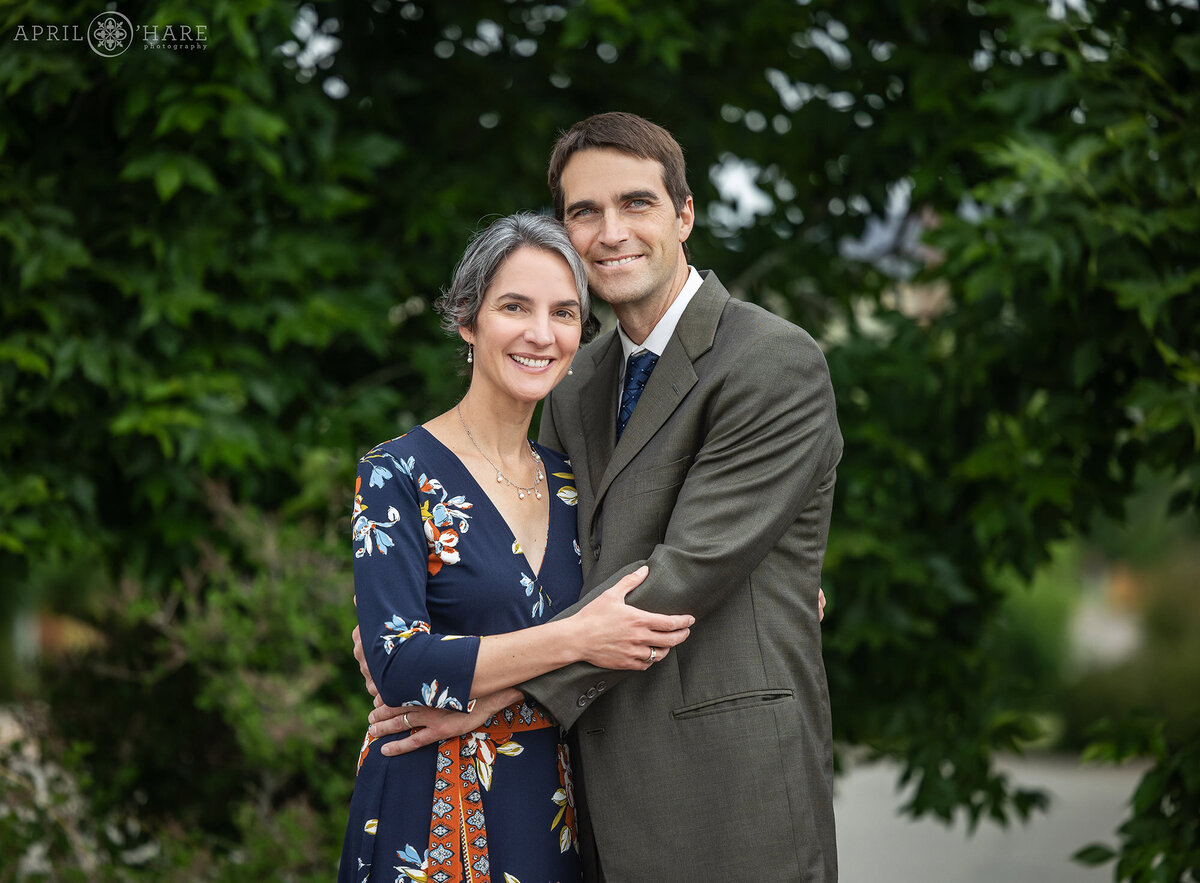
[
  {"x": 470, "y": 353},
  {"x": 570, "y": 369}
]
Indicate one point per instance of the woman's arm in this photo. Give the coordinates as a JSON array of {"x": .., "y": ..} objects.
[
  {"x": 409, "y": 664},
  {"x": 607, "y": 633},
  {"x": 412, "y": 666}
]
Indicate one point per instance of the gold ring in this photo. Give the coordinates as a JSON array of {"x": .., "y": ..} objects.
[
  {"x": 653, "y": 655},
  {"x": 404, "y": 717}
]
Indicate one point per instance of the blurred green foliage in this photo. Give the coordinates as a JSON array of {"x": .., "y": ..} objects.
[
  {"x": 1161, "y": 839},
  {"x": 216, "y": 268},
  {"x": 1161, "y": 676},
  {"x": 212, "y": 736},
  {"x": 1032, "y": 631}
]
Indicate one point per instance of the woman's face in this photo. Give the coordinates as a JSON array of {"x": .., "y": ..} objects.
[{"x": 528, "y": 327}]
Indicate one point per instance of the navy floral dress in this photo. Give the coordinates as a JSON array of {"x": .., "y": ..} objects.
[{"x": 435, "y": 567}]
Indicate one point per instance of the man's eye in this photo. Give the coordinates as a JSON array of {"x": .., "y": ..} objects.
[{"x": 512, "y": 308}]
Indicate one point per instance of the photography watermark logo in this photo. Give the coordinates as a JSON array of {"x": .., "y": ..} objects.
[{"x": 111, "y": 33}]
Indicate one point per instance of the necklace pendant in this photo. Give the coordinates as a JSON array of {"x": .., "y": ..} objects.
[
  {"x": 539, "y": 494},
  {"x": 499, "y": 477},
  {"x": 521, "y": 494}
]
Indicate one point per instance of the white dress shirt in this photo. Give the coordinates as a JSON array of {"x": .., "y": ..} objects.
[{"x": 656, "y": 341}]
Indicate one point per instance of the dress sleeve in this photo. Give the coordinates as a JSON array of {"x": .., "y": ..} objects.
[{"x": 410, "y": 664}]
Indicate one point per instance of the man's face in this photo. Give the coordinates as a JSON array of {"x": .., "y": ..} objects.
[{"x": 622, "y": 223}]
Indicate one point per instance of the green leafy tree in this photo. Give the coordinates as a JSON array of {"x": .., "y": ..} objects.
[{"x": 216, "y": 269}]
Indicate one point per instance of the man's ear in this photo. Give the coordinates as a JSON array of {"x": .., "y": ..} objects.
[{"x": 687, "y": 219}]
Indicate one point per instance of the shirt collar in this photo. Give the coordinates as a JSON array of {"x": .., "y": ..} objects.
[{"x": 660, "y": 336}]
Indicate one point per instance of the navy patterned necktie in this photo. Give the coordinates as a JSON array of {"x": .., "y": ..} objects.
[{"x": 637, "y": 372}]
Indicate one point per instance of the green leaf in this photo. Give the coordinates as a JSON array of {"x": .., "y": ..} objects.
[
  {"x": 1149, "y": 295},
  {"x": 1187, "y": 48},
  {"x": 25, "y": 359},
  {"x": 1095, "y": 854},
  {"x": 246, "y": 120},
  {"x": 168, "y": 178},
  {"x": 184, "y": 116},
  {"x": 170, "y": 172}
]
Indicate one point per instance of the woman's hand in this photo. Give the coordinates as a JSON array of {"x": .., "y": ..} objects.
[{"x": 615, "y": 635}]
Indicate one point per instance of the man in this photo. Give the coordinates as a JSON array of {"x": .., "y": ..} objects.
[{"x": 704, "y": 437}]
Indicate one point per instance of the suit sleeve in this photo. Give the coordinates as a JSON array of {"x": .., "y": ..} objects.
[
  {"x": 771, "y": 441},
  {"x": 547, "y": 433}
]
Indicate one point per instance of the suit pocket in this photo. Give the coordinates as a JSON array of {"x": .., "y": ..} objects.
[
  {"x": 827, "y": 481},
  {"x": 749, "y": 699},
  {"x": 667, "y": 475}
]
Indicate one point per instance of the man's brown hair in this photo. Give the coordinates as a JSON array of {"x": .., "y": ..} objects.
[{"x": 629, "y": 134}]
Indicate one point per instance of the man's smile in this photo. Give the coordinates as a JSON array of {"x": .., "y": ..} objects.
[{"x": 618, "y": 262}]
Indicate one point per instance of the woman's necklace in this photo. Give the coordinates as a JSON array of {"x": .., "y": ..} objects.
[{"x": 538, "y": 475}]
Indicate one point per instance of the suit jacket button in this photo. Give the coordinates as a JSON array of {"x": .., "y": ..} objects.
[
  {"x": 596, "y": 551},
  {"x": 581, "y": 701},
  {"x": 601, "y": 686},
  {"x": 591, "y": 693}
]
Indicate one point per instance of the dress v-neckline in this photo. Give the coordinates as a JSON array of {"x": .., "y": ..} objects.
[{"x": 496, "y": 509}]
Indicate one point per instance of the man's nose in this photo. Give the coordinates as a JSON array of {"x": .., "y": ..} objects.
[{"x": 612, "y": 228}]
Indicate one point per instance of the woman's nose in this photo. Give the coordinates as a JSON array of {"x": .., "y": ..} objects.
[{"x": 539, "y": 332}]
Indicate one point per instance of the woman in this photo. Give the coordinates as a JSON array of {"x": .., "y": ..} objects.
[{"x": 465, "y": 548}]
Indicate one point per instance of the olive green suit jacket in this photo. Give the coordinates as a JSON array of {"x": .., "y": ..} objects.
[{"x": 717, "y": 762}]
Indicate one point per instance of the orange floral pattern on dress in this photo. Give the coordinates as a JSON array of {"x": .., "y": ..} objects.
[{"x": 458, "y": 848}]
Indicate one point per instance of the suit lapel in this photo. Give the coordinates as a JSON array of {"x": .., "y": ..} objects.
[
  {"x": 673, "y": 377},
  {"x": 598, "y": 407}
]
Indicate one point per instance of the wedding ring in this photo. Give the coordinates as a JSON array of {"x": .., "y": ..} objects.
[
  {"x": 653, "y": 656},
  {"x": 404, "y": 717}
]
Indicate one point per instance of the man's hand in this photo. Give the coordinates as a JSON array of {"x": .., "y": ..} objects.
[
  {"x": 430, "y": 725},
  {"x": 362, "y": 665}
]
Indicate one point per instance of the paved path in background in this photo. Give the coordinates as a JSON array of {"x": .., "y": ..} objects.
[{"x": 875, "y": 845}]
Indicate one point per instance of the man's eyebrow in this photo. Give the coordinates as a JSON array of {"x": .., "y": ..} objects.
[
  {"x": 582, "y": 203},
  {"x": 640, "y": 194}
]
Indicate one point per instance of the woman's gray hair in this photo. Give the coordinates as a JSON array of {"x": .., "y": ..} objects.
[{"x": 459, "y": 305}]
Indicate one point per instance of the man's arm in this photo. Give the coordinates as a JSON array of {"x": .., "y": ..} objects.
[
  {"x": 773, "y": 440},
  {"x": 440, "y": 723}
]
